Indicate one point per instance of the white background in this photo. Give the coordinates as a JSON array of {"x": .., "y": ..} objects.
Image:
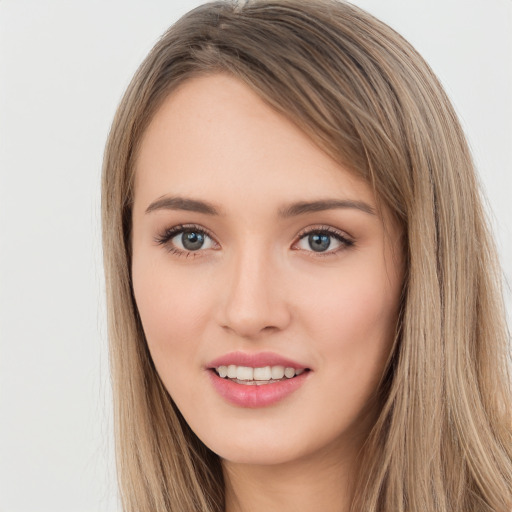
[{"x": 63, "y": 67}]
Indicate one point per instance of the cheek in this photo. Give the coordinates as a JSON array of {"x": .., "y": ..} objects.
[
  {"x": 353, "y": 324},
  {"x": 356, "y": 301},
  {"x": 173, "y": 310}
]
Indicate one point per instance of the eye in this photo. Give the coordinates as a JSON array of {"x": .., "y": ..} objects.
[
  {"x": 323, "y": 240},
  {"x": 192, "y": 240},
  {"x": 184, "y": 240}
]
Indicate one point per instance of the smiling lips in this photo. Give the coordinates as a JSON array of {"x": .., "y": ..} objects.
[
  {"x": 257, "y": 376},
  {"x": 256, "y": 380}
]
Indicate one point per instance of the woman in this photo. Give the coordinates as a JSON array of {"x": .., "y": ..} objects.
[{"x": 303, "y": 296}]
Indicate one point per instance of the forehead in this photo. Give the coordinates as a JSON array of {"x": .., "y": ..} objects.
[{"x": 215, "y": 136}]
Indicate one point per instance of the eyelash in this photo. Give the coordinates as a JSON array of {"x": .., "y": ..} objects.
[
  {"x": 341, "y": 237},
  {"x": 170, "y": 233}
]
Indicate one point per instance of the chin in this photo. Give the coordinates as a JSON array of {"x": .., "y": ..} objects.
[
  {"x": 270, "y": 444},
  {"x": 258, "y": 455}
]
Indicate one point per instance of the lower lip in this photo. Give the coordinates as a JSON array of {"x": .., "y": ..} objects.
[{"x": 253, "y": 396}]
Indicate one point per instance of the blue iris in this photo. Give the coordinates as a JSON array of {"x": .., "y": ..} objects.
[{"x": 319, "y": 242}]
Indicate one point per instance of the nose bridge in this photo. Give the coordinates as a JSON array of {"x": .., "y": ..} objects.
[{"x": 254, "y": 300}]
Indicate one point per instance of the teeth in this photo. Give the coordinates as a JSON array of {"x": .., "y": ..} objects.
[
  {"x": 262, "y": 373},
  {"x": 289, "y": 372},
  {"x": 244, "y": 373},
  {"x": 277, "y": 372},
  {"x": 266, "y": 373}
]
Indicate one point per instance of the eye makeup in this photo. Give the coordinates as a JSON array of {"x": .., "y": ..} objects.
[
  {"x": 318, "y": 241},
  {"x": 320, "y": 237},
  {"x": 192, "y": 235}
]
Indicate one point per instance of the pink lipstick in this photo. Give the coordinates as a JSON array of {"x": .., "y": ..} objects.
[{"x": 256, "y": 380}]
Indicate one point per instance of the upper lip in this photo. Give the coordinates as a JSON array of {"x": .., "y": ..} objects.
[{"x": 255, "y": 360}]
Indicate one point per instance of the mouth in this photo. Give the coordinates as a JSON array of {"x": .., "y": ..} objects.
[
  {"x": 263, "y": 375},
  {"x": 256, "y": 380}
]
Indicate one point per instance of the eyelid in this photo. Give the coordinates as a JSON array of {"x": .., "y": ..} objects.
[
  {"x": 168, "y": 234},
  {"x": 344, "y": 238},
  {"x": 317, "y": 228}
]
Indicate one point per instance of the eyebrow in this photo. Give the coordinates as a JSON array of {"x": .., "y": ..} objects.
[
  {"x": 292, "y": 210},
  {"x": 183, "y": 203},
  {"x": 303, "y": 207}
]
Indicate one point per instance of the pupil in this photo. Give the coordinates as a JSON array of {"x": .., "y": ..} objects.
[
  {"x": 192, "y": 241},
  {"x": 319, "y": 242}
]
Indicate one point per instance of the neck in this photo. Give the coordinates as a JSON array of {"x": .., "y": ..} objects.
[{"x": 323, "y": 481}]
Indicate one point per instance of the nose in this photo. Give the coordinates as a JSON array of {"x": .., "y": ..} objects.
[{"x": 255, "y": 298}]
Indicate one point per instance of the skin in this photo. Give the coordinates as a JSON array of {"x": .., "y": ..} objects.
[{"x": 257, "y": 285}]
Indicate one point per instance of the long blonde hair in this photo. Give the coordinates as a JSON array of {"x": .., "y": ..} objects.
[{"x": 443, "y": 439}]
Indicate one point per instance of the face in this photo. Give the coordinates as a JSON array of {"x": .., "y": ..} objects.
[{"x": 255, "y": 254}]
